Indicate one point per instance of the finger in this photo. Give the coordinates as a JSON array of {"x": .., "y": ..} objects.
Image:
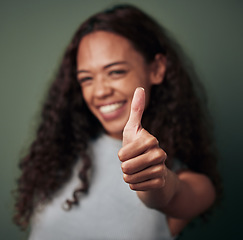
[
  {"x": 136, "y": 113},
  {"x": 157, "y": 171},
  {"x": 141, "y": 162},
  {"x": 142, "y": 144},
  {"x": 148, "y": 185}
]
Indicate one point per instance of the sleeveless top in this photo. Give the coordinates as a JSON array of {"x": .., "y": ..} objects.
[{"x": 109, "y": 211}]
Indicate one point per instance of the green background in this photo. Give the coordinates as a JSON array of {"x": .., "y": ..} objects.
[{"x": 33, "y": 35}]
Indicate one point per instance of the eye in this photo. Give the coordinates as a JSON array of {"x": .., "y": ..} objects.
[
  {"x": 84, "y": 80},
  {"x": 117, "y": 73}
]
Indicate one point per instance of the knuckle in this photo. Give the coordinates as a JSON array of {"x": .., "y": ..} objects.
[
  {"x": 155, "y": 171},
  {"x": 165, "y": 156},
  {"x": 125, "y": 168},
  {"x": 159, "y": 182},
  {"x": 132, "y": 186},
  {"x": 157, "y": 155},
  {"x": 148, "y": 139},
  {"x": 126, "y": 178},
  {"x": 159, "y": 170},
  {"x": 154, "y": 141},
  {"x": 120, "y": 154}
]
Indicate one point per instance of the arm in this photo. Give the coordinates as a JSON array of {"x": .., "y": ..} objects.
[
  {"x": 185, "y": 195},
  {"x": 181, "y": 196}
]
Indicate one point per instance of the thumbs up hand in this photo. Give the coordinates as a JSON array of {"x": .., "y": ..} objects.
[
  {"x": 142, "y": 158},
  {"x": 133, "y": 126}
]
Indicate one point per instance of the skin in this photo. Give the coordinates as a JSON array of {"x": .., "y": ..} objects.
[
  {"x": 183, "y": 196},
  {"x": 109, "y": 71}
]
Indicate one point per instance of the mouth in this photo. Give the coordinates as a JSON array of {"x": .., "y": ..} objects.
[
  {"x": 112, "y": 111},
  {"x": 109, "y": 108}
]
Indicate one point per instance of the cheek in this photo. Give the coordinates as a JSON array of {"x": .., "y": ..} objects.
[{"x": 86, "y": 95}]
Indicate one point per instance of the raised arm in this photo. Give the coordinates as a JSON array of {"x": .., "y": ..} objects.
[{"x": 182, "y": 196}]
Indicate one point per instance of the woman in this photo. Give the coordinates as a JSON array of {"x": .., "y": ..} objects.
[{"x": 92, "y": 116}]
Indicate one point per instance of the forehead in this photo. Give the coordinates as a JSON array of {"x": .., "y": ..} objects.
[{"x": 103, "y": 48}]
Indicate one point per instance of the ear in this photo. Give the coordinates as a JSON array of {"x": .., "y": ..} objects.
[{"x": 158, "y": 69}]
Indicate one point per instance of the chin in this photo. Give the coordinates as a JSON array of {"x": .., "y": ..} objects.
[
  {"x": 115, "y": 132},
  {"x": 115, "y": 128}
]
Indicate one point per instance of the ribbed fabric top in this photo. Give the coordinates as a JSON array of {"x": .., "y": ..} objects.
[{"x": 110, "y": 210}]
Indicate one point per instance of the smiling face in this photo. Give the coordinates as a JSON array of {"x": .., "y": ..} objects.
[{"x": 109, "y": 70}]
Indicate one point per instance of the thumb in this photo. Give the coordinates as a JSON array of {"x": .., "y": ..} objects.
[{"x": 133, "y": 125}]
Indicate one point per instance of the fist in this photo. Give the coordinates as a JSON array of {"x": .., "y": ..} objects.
[{"x": 143, "y": 161}]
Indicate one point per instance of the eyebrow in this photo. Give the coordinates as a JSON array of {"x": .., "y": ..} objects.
[{"x": 105, "y": 67}]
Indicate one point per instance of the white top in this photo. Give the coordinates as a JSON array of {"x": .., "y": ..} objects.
[{"x": 110, "y": 210}]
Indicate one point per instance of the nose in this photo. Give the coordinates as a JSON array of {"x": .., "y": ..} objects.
[{"x": 102, "y": 88}]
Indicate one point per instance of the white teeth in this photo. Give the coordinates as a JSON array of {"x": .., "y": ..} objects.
[{"x": 110, "y": 108}]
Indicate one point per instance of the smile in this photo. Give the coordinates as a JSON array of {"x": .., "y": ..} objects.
[{"x": 110, "y": 107}]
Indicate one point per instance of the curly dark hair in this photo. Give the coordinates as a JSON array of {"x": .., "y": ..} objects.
[{"x": 175, "y": 115}]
